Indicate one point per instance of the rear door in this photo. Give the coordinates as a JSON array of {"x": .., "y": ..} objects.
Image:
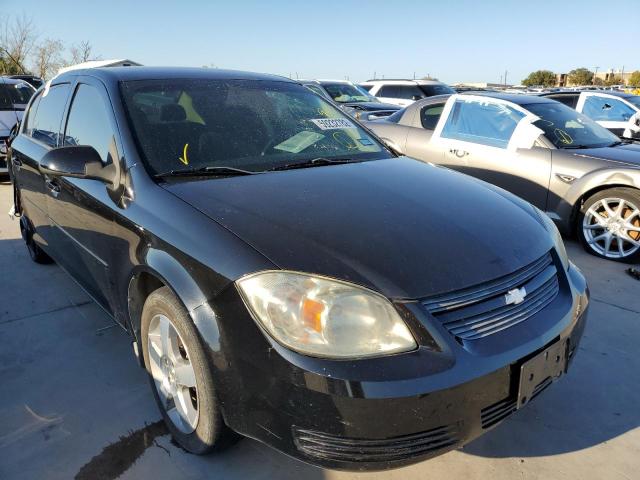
[
  {"x": 494, "y": 140},
  {"x": 38, "y": 135},
  {"x": 612, "y": 112},
  {"x": 82, "y": 209}
]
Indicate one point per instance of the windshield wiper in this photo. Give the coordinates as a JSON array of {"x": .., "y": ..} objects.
[
  {"x": 316, "y": 162},
  {"x": 221, "y": 171},
  {"x": 576, "y": 147}
]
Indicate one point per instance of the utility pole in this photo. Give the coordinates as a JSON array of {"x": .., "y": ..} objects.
[
  {"x": 593, "y": 82},
  {"x": 505, "y": 78}
]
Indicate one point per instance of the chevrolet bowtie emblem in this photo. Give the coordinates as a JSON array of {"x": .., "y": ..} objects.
[{"x": 515, "y": 296}]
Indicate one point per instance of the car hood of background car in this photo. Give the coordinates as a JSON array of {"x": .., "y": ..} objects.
[
  {"x": 628, "y": 153},
  {"x": 399, "y": 226},
  {"x": 371, "y": 106}
]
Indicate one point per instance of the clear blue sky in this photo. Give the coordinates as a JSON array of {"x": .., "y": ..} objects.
[{"x": 452, "y": 40}]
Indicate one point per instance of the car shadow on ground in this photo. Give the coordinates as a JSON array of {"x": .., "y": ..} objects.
[{"x": 596, "y": 402}]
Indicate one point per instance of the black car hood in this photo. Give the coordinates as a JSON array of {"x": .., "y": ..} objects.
[
  {"x": 371, "y": 106},
  {"x": 628, "y": 153},
  {"x": 399, "y": 226}
]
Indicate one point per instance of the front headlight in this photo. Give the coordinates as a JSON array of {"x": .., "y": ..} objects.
[
  {"x": 323, "y": 317},
  {"x": 557, "y": 238}
]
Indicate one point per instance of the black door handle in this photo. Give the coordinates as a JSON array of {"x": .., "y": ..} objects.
[{"x": 53, "y": 187}]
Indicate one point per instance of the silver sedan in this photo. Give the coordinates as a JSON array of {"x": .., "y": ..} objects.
[{"x": 581, "y": 175}]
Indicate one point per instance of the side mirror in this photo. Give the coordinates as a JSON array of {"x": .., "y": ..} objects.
[{"x": 77, "y": 161}]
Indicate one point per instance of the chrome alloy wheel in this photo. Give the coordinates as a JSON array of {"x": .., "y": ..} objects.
[
  {"x": 173, "y": 373},
  {"x": 611, "y": 227}
]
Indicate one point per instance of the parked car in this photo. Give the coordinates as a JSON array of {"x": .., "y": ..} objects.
[
  {"x": 284, "y": 275},
  {"x": 14, "y": 96},
  {"x": 32, "y": 80},
  {"x": 619, "y": 112},
  {"x": 350, "y": 98},
  {"x": 405, "y": 92},
  {"x": 584, "y": 177}
]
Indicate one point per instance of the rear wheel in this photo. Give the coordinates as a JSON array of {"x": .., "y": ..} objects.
[
  {"x": 180, "y": 374},
  {"x": 609, "y": 224}
]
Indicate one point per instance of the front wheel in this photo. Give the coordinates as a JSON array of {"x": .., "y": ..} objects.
[
  {"x": 609, "y": 224},
  {"x": 180, "y": 373}
]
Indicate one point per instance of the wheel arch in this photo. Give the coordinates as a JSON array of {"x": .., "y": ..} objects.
[
  {"x": 594, "y": 190},
  {"x": 160, "y": 270}
]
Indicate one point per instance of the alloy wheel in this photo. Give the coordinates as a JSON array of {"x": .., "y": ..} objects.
[
  {"x": 173, "y": 373},
  {"x": 611, "y": 227}
]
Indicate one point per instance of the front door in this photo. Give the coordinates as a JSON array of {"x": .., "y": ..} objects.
[
  {"x": 82, "y": 209},
  {"x": 494, "y": 140},
  {"x": 612, "y": 112}
]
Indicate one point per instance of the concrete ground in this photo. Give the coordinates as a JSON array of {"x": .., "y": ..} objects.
[{"x": 73, "y": 403}]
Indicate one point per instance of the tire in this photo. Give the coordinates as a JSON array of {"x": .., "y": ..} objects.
[
  {"x": 35, "y": 252},
  {"x": 609, "y": 224},
  {"x": 182, "y": 349}
]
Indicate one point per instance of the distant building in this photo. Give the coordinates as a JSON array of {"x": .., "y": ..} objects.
[{"x": 562, "y": 79}]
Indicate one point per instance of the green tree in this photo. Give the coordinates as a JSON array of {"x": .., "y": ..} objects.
[
  {"x": 543, "y": 78},
  {"x": 598, "y": 81},
  {"x": 634, "y": 79},
  {"x": 580, "y": 76}
]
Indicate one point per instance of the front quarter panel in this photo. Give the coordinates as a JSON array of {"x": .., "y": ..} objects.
[{"x": 574, "y": 176}]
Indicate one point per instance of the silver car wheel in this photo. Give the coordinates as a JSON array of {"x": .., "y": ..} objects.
[
  {"x": 173, "y": 373},
  {"x": 611, "y": 227}
]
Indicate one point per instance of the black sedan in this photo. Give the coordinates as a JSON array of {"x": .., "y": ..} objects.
[{"x": 284, "y": 275}]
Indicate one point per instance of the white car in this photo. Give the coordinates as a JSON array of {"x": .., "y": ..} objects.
[
  {"x": 405, "y": 92},
  {"x": 619, "y": 112}
]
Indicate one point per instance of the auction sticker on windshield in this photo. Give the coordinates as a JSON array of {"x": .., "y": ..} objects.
[{"x": 332, "y": 123}]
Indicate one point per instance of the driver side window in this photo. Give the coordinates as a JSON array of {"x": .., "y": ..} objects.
[
  {"x": 484, "y": 123},
  {"x": 607, "y": 109}
]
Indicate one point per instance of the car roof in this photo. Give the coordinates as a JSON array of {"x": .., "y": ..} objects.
[
  {"x": 327, "y": 81},
  {"x": 402, "y": 81},
  {"x": 117, "y": 74},
  {"x": 517, "y": 98},
  {"x": 14, "y": 81}
]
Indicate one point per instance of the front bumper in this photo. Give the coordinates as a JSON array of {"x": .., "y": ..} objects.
[{"x": 380, "y": 414}]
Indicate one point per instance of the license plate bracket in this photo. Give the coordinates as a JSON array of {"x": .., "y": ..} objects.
[{"x": 547, "y": 366}]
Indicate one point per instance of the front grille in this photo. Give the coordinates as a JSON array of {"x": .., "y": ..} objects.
[
  {"x": 330, "y": 447},
  {"x": 480, "y": 311}
]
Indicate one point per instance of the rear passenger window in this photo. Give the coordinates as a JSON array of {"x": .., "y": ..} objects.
[
  {"x": 406, "y": 92},
  {"x": 89, "y": 121},
  {"x": 430, "y": 115},
  {"x": 45, "y": 126},
  {"x": 484, "y": 123}
]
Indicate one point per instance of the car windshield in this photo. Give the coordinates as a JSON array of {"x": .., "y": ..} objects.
[
  {"x": 15, "y": 96},
  {"x": 253, "y": 125},
  {"x": 566, "y": 128},
  {"x": 437, "y": 89},
  {"x": 345, "y": 93},
  {"x": 635, "y": 100}
]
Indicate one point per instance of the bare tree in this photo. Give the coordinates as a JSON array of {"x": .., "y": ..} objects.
[
  {"x": 17, "y": 39},
  {"x": 48, "y": 58},
  {"x": 82, "y": 52}
]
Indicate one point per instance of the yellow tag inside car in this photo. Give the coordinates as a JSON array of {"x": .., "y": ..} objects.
[{"x": 184, "y": 158}]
